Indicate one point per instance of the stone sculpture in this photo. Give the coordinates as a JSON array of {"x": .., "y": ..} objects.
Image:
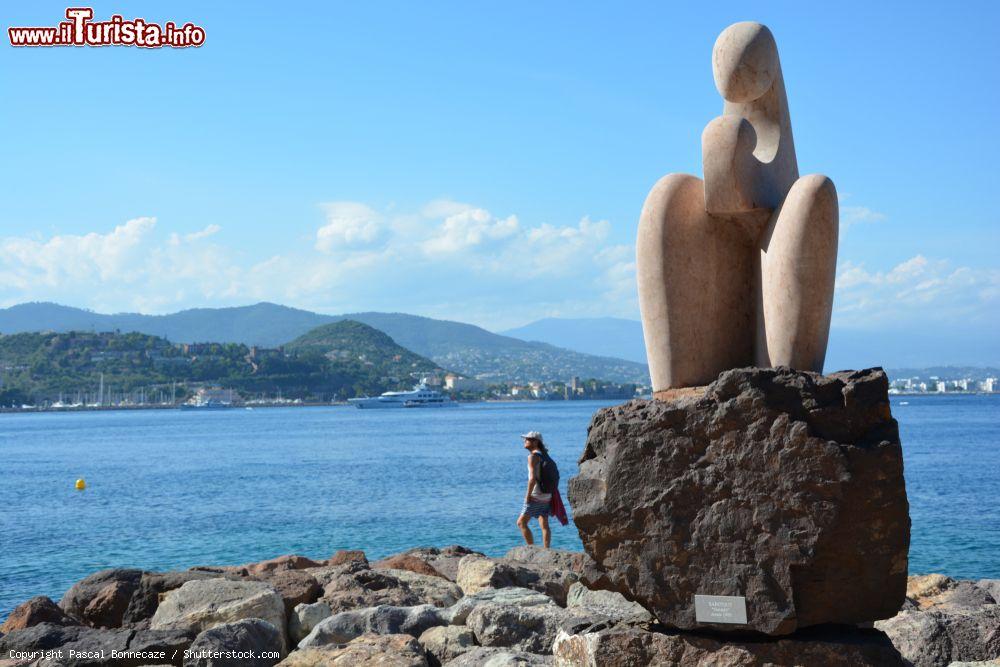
[{"x": 738, "y": 270}]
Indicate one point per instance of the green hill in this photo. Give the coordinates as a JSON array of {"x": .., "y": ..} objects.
[
  {"x": 348, "y": 341},
  {"x": 339, "y": 360}
]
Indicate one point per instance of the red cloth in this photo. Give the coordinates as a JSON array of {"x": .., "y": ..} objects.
[{"x": 558, "y": 509}]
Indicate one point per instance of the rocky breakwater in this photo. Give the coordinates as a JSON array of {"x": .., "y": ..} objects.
[
  {"x": 531, "y": 607},
  {"x": 780, "y": 492}
]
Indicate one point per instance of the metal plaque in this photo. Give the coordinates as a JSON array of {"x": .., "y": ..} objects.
[{"x": 720, "y": 609}]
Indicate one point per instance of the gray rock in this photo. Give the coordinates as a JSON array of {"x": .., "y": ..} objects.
[
  {"x": 609, "y": 604},
  {"x": 446, "y": 642},
  {"x": 514, "y": 596},
  {"x": 101, "y": 599},
  {"x": 204, "y": 604},
  {"x": 91, "y": 646},
  {"x": 152, "y": 585},
  {"x": 429, "y": 589},
  {"x": 478, "y": 572},
  {"x": 942, "y": 634},
  {"x": 251, "y": 642},
  {"x": 382, "y": 620},
  {"x": 531, "y": 629},
  {"x": 831, "y": 646},
  {"x": 364, "y": 588},
  {"x": 574, "y": 561},
  {"x": 304, "y": 618},
  {"x": 991, "y": 586},
  {"x": 782, "y": 486},
  {"x": 485, "y": 656},
  {"x": 368, "y": 650}
]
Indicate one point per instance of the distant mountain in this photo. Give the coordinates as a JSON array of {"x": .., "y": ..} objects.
[
  {"x": 263, "y": 324},
  {"x": 352, "y": 340},
  {"x": 473, "y": 351},
  {"x": 463, "y": 348},
  {"x": 610, "y": 336}
]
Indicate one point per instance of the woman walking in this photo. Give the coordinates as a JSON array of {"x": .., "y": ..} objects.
[{"x": 541, "y": 500}]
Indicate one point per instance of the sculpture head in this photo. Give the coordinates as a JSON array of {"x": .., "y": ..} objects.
[{"x": 745, "y": 62}]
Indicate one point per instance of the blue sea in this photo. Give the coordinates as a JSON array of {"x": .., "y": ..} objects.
[{"x": 170, "y": 489}]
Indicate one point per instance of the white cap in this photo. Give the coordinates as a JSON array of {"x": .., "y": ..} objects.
[{"x": 532, "y": 435}]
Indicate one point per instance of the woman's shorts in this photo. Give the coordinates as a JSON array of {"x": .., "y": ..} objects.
[{"x": 534, "y": 510}]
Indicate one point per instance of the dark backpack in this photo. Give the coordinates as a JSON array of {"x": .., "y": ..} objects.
[{"x": 548, "y": 473}]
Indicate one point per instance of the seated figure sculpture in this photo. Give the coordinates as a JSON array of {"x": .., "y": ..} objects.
[{"x": 738, "y": 270}]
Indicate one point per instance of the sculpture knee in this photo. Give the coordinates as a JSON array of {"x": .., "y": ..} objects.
[{"x": 798, "y": 257}]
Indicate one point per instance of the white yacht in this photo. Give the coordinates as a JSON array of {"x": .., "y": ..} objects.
[{"x": 419, "y": 397}]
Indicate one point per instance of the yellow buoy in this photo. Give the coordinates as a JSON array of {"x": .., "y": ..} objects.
[{"x": 80, "y": 484}]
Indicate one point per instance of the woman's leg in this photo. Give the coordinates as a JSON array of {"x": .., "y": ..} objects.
[
  {"x": 543, "y": 521},
  {"x": 522, "y": 523}
]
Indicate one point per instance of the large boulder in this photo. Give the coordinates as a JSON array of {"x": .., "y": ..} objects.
[
  {"x": 446, "y": 642},
  {"x": 837, "y": 647},
  {"x": 514, "y": 596},
  {"x": 476, "y": 573},
  {"x": 491, "y": 656},
  {"x": 78, "y": 645},
  {"x": 369, "y": 650},
  {"x": 781, "y": 486},
  {"x": 39, "y": 609},
  {"x": 944, "y": 621},
  {"x": 204, "y": 604},
  {"x": 381, "y": 620},
  {"x": 251, "y": 642},
  {"x": 304, "y": 618},
  {"x": 101, "y": 599}
]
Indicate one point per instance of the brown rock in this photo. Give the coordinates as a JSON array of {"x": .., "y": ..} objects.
[
  {"x": 834, "y": 646},
  {"x": 369, "y": 650},
  {"x": 407, "y": 562},
  {"x": 294, "y": 587},
  {"x": 445, "y": 559},
  {"x": 279, "y": 564},
  {"x": 782, "y": 486},
  {"x": 37, "y": 610},
  {"x": 100, "y": 600},
  {"x": 346, "y": 556}
]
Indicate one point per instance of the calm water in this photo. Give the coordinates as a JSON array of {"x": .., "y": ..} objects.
[{"x": 171, "y": 489}]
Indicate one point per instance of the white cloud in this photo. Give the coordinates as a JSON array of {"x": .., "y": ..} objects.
[
  {"x": 915, "y": 292},
  {"x": 347, "y": 224},
  {"x": 445, "y": 259},
  {"x": 853, "y": 215}
]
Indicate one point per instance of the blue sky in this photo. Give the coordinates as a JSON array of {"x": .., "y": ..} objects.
[{"x": 484, "y": 163}]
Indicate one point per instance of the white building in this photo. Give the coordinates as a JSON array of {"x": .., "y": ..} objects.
[{"x": 455, "y": 383}]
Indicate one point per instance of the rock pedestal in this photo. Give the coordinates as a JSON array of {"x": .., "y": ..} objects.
[{"x": 784, "y": 487}]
